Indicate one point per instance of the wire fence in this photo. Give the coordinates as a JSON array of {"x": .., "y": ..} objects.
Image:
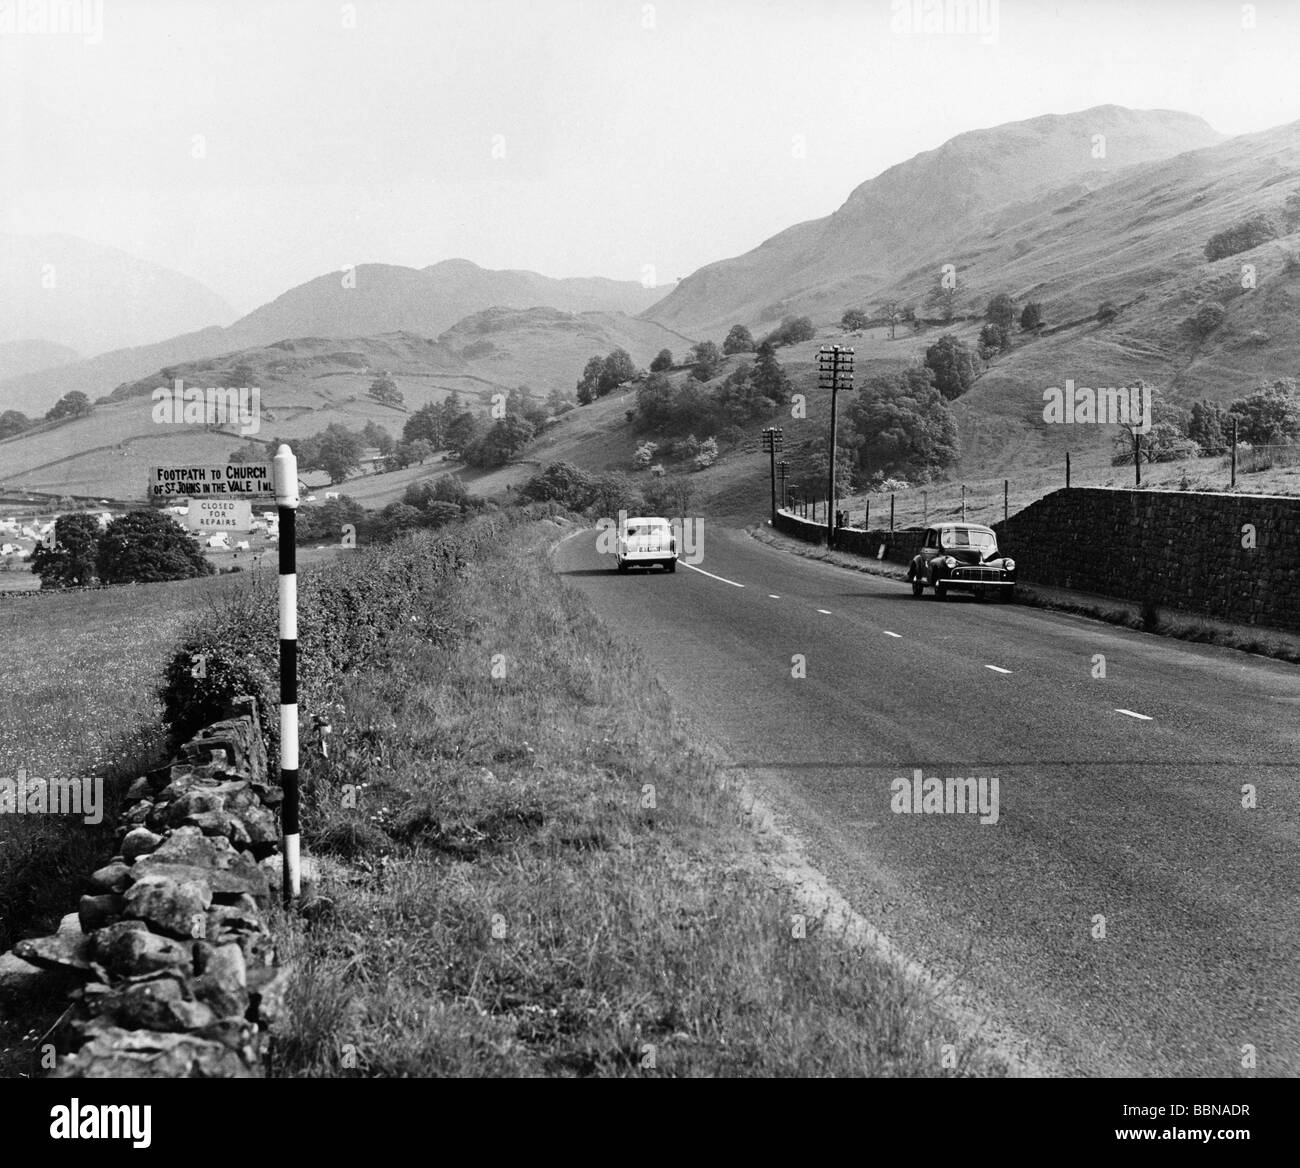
[{"x": 988, "y": 501}]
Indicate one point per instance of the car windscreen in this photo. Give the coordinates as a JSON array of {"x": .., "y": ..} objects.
[{"x": 967, "y": 537}]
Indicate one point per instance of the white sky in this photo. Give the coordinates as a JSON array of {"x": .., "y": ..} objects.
[{"x": 624, "y": 145}]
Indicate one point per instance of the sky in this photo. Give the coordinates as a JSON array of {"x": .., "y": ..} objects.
[{"x": 254, "y": 146}]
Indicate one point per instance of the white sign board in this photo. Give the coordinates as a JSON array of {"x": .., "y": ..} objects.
[
  {"x": 220, "y": 515},
  {"x": 233, "y": 480}
]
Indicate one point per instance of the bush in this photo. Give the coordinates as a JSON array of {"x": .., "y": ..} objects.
[
  {"x": 662, "y": 362},
  {"x": 953, "y": 365},
  {"x": 1207, "y": 318},
  {"x": 707, "y": 454},
  {"x": 993, "y": 339},
  {"x": 644, "y": 455},
  {"x": 853, "y": 320},
  {"x": 1106, "y": 311},
  {"x": 1243, "y": 236},
  {"x": 792, "y": 331},
  {"x": 1031, "y": 316},
  {"x": 346, "y": 610},
  {"x": 739, "y": 340},
  {"x": 560, "y": 482}
]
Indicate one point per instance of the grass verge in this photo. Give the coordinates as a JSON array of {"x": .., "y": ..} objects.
[{"x": 525, "y": 869}]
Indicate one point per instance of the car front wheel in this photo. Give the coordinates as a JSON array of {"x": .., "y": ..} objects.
[
  {"x": 671, "y": 565},
  {"x": 941, "y": 592},
  {"x": 918, "y": 586}
]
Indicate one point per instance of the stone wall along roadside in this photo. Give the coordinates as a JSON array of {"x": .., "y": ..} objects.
[
  {"x": 173, "y": 968},
  {"x": 1188, "y": 551}
]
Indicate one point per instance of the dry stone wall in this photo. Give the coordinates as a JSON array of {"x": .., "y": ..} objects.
[
  {"x": 174, "y": 967},
  {"x": 1234, "y": 557}
]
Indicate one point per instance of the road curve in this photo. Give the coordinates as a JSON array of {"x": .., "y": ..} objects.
[{"x": 1125, "y": 912}]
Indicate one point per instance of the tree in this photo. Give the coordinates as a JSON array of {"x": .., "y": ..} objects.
[
  {"x": 614, "y": 492},
  {"x": 953, "y": 364},
  {"x": 942, "y": 298},
  {"x": 326, "y": 521},
  {"x": 588, "y": 384},
  {"x": 373, "y": 434},
  {"x": 339, "y": 453},
  {"x": 1031, "y": 316},
  {"x": 252, "y": 451},
  {"x": 655, "y": 400},
  {"x": 146, "y": 546},
  {"x": 384, "y": 389},
  {"x": 463, "y": 431},
  {"x": 662, "y": 362},
  {"x": 427, "y": 423},
  {"x": 1000, "y": 310},
  {"x": 706, "y": 358},
  {"x": 616, "y": 369},
  {"x": 854, "y": 320},
  {"x": 13, "y": 422},
  {"x": 739, "y": 340},
  {"x": 905, "y": 425},
  {"x": 73, "y": 404},
  {"x": 769, "y": 377},
  {"x": 792, "y": 331},
  {"x": 1270, "y": 415},
  {"x": 560, "y": 482},
  {"x": 890, "y": 311},
  {"x": 993, "y": 339},
  {"x": 71, "y": 561},
  {"x": 557, "y": 403},
  {"x": 1209, "y": 426}
]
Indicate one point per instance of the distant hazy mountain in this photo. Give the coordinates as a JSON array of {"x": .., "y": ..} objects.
[
  {"x": 914, "y": 210},
  {"x": 375, "y": 298},
  {"x": 18, "y": 357},
  {"x": 92, "y": 298}
]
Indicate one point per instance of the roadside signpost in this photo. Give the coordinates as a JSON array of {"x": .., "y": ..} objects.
[
  {"x": 286, "y": 498},
  {"x": 235, "y": 480},
  {"x": 220, "y": 515}
]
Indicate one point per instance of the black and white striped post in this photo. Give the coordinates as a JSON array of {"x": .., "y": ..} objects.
[{"x": 286, "y": 498}]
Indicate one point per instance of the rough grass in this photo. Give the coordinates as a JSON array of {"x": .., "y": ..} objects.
[
  {"x": 79, "y": 676},
  {"x": 540, "y": 876}
]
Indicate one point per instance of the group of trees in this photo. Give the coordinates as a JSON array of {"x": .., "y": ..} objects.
[
  {"x": 73, "y": 404},
  {"x": 428, "y": 504},
  {"x": 607, "y": 494},
  {"x": 603, "y": 375},
  {"x": 752, "y": 390},
  {"x": 140, "y": 547},
  {"x": 1268, "y": 416}
]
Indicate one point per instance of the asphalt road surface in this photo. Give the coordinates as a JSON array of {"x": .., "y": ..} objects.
[{"x": 1125, "y": 912}]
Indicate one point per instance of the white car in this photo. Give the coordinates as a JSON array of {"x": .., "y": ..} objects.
[{"x": 647, "y": 541}]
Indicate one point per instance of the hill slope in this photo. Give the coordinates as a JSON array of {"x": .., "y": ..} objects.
[
  {"x": 918, "y": 208},
  {"x": 91, "y": 298},
  {"x": 381, "y": 298}
]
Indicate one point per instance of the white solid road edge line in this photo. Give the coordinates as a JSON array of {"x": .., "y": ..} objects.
[
  {"x": 997, "y": 669},
  {"x": 710, "y": 575},
  {"x": 1134, "y": 714}
]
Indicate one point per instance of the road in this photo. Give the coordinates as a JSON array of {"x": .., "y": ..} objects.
[{"x": 1125, "y": 912}]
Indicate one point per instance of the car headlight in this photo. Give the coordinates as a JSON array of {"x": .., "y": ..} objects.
[
  {"x": 1009, "y": 564},
  {"x": 949, "y": 562}
]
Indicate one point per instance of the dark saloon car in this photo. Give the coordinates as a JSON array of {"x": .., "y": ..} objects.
[{"x": 962, "y": 557}]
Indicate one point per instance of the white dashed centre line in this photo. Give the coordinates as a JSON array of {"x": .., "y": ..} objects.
[
  {"x": 997, "y": 669},
  {"x": 824, "y": 611},
  {"x": 710, "y": 575},
  {"x": 889, "y": 634},
  {"x": 773, "y": 596},
  {"x": 1134, "y": 714}
]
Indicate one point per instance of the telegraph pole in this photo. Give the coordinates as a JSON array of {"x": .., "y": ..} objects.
[
  {"x": 835, "y": 370},
  {"x": 772, "y": 443},
  {"x": 783, "y": 470}
]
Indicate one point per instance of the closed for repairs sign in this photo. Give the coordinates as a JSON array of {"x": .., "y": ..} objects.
[
  {"x": 220, "y": 515},
  {"x": 236, "y": 480}
]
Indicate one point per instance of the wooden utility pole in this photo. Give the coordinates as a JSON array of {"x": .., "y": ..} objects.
[{"x": 835, "y": 369}]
